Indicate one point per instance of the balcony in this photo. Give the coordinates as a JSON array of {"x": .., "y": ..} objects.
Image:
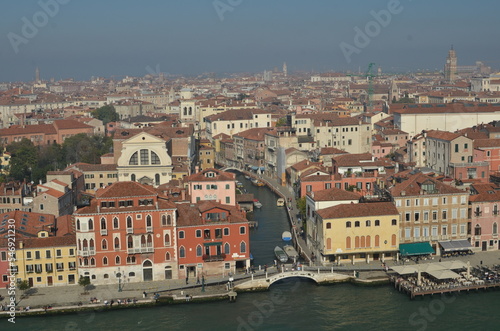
[
  {"x": 139, "y": 250},
  {"x": 149, "y": 229},
  {"x": 130, "y": 230},
  {"x": 477, "y": 213},
  {"x": 83, "y": 253},
  {"x": 104, "y": 232},
  {"x": 214, "y": 258}
]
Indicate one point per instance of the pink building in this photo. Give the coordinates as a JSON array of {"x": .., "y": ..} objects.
[
  {"x": 381, "y": 149},
  {"x": 212, "y": 184},
  {"x": 484, "y": 216},
  {"x": 488, "y": 150},
  {"x": 318, "y": 181}
]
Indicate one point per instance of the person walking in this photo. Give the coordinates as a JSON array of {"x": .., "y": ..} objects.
[{"x": 187, "y": 280}]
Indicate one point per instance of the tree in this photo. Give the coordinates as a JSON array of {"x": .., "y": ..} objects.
[
  {"x": 106, "y": 114},
  {"x": 24, "y": 158},
  {"x": 282, "y": 122},
  {"x": 301, "y": 206},
  {"x": 84, "y": 148},
  {"x": 85, "y": 283},
  {"x": 23, "y": 286}
]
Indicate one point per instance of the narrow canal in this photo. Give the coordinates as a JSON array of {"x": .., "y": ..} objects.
[{"x": 272, "y": 221}]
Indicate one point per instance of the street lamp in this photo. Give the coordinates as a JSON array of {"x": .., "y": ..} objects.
[{"x": 119, "y": 276}]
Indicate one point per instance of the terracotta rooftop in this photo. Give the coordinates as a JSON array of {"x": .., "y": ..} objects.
[
  {"x": 334, "y": 194},
  {"x": 359, "y": 210}
]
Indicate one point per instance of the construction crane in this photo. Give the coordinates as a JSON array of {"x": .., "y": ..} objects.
[{"x": 369, "y": 76}]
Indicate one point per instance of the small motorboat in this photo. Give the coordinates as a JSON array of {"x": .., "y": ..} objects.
[
  {"x": 256, "y": 203},
  {"x": 286, "y": 236},
  {"x": 280, "y": 254},
  {"x": 280, "y": 202},
  {"x": 248, "y": 177},
  {"x": 291, "y": 252},
  {"x": 257, "y": 182},
  {"x": 239, "y": 184}
]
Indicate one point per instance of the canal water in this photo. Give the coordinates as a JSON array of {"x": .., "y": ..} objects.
[{"x": 293, "y": 304}]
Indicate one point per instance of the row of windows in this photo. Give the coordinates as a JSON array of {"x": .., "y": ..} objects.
[
  {"x": 86, "y": 262},
  {"x": 49, "y": 267},
  {"x": 37, "y": 254},
  {"x": 357, "y": 224},
  {"x": 166, "y": 220},
  {"x": 427, "y": 231},
  {"x": 207, "y": 233},
  {"x": 208, "y": 251},
  {"x": 435, "y": 201},
  {"x": 209, "y": 187},
  {"x": 71, "y": 279},
  {"x": 434, "y": 215}
]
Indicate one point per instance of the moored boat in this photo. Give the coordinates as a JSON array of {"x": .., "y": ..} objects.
[
  {"x": 280, "y": 254},
  {"x": 280, "y": 202},
  {"x": 291, "y": 252},
  {"x": 256, "y": 203},
  {"x": 257, "y": 182},
  {"x": 286, "y": 236}
]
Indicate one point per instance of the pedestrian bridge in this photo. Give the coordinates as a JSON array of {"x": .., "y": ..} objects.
[{"x": 317, "y": 277}]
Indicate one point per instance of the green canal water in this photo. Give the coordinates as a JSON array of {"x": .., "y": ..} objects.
[{"x": 293, "y": 304}]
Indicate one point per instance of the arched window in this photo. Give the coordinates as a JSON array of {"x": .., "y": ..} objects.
[
  {"x": 134, "y": 159},
  {"x": 368, "y": 241},
  {"x": 363, "y": 243},
  {"x": 328, "y": 225},
  {"x": 130, "y": 242},
  {"x": 157, "y": 179},
  {"x": 226, "y": 248},
  {"x": 85, "y": 261},
  {"x": 133, "y": 177},
  {"x": 356, "y": 242},
  {"x": 129, "y": 222},
  {"x": 167, "y": 239},
  {"x": 79, "y": 244},
  {"x": 377, "y": 241},
  {"x": 143, "y": 241},
  {"x": 91, "y": 245},
  {"x": 495, "y": 228},
  {"x": 198, "y": 251},
  {"x": 348, "y": 243},
  {"x": 117, "y": 260},
  {"x": 78, "y": 224},
  {"x": 92, "y": 261},
  {"x": 167, "y": 256},
  {"x": 91, "y": 224},
  {"x": 356, "y": 224},
  {"x": 85, "y": 244},
  {"x": 368, "y": 223},
  {"x": 348, "y": 224},
  {"x": 377, "y": 222},
  {"x": 182, "y": 252},
  {"x": 150, "y": 240},
  {"x": 190, "y": 111},
  {"x": 104, "y": 244},
  {"x": 115, "y": 223},
  {"x": 105, "y": 260},
  {"x": 185, "y": 111},
  {"x": 477, "y": 230},
  {"x": 329, "y": 243},
  {"x": 243, "y": 247},
  {"x": 148, "y": 221},
  {"x": 144, "y": 156},
  {"x": 393, "y": 240},
  {"x": 169, "y": 220},
  {"x": 163, "y": 220},
  {"x": 155, "y": 159},
  {"x": 103, "y": 223},
  {"x": 117, "y": 243}
]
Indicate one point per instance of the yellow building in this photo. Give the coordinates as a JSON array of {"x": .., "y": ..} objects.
[
  {"x": 361, "y": 232},
  {"x": 47, "y": 261}
]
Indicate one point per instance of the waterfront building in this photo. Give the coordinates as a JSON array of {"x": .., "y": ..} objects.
[
  {"x": 212, "y": 239},
  {"x": 128, "y": 229},
  {"x": 47, "y": 261},
  {"x": 249, "y": 148},
  {"x": 212, "y": 185},
  {"x": 430, "y": 210},
  {"x": 484, "y": 204},
  {"x": 320, "y": 200},
  {"x": 364, "y": 233}
]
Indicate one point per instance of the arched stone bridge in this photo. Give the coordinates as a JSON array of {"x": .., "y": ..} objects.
[{"x": 319, "y": 278}]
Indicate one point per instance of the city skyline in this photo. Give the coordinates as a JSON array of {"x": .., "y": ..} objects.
[{"x": 72, "y": 39}]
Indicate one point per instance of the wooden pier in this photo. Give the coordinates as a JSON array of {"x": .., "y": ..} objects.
[{"x": 415, "y": 292}]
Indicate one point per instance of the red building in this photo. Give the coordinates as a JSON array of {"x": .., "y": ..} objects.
[
  {"x": 212, "y": 239},
  {"x": 127, "y": 234}
]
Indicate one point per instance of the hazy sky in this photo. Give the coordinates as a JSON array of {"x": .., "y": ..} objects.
[{"x": 123, "y": 37}]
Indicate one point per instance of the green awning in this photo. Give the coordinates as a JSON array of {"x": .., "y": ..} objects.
[
  {"x": 416, "y": 249},
  {"x": 212, "y": 244}
]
